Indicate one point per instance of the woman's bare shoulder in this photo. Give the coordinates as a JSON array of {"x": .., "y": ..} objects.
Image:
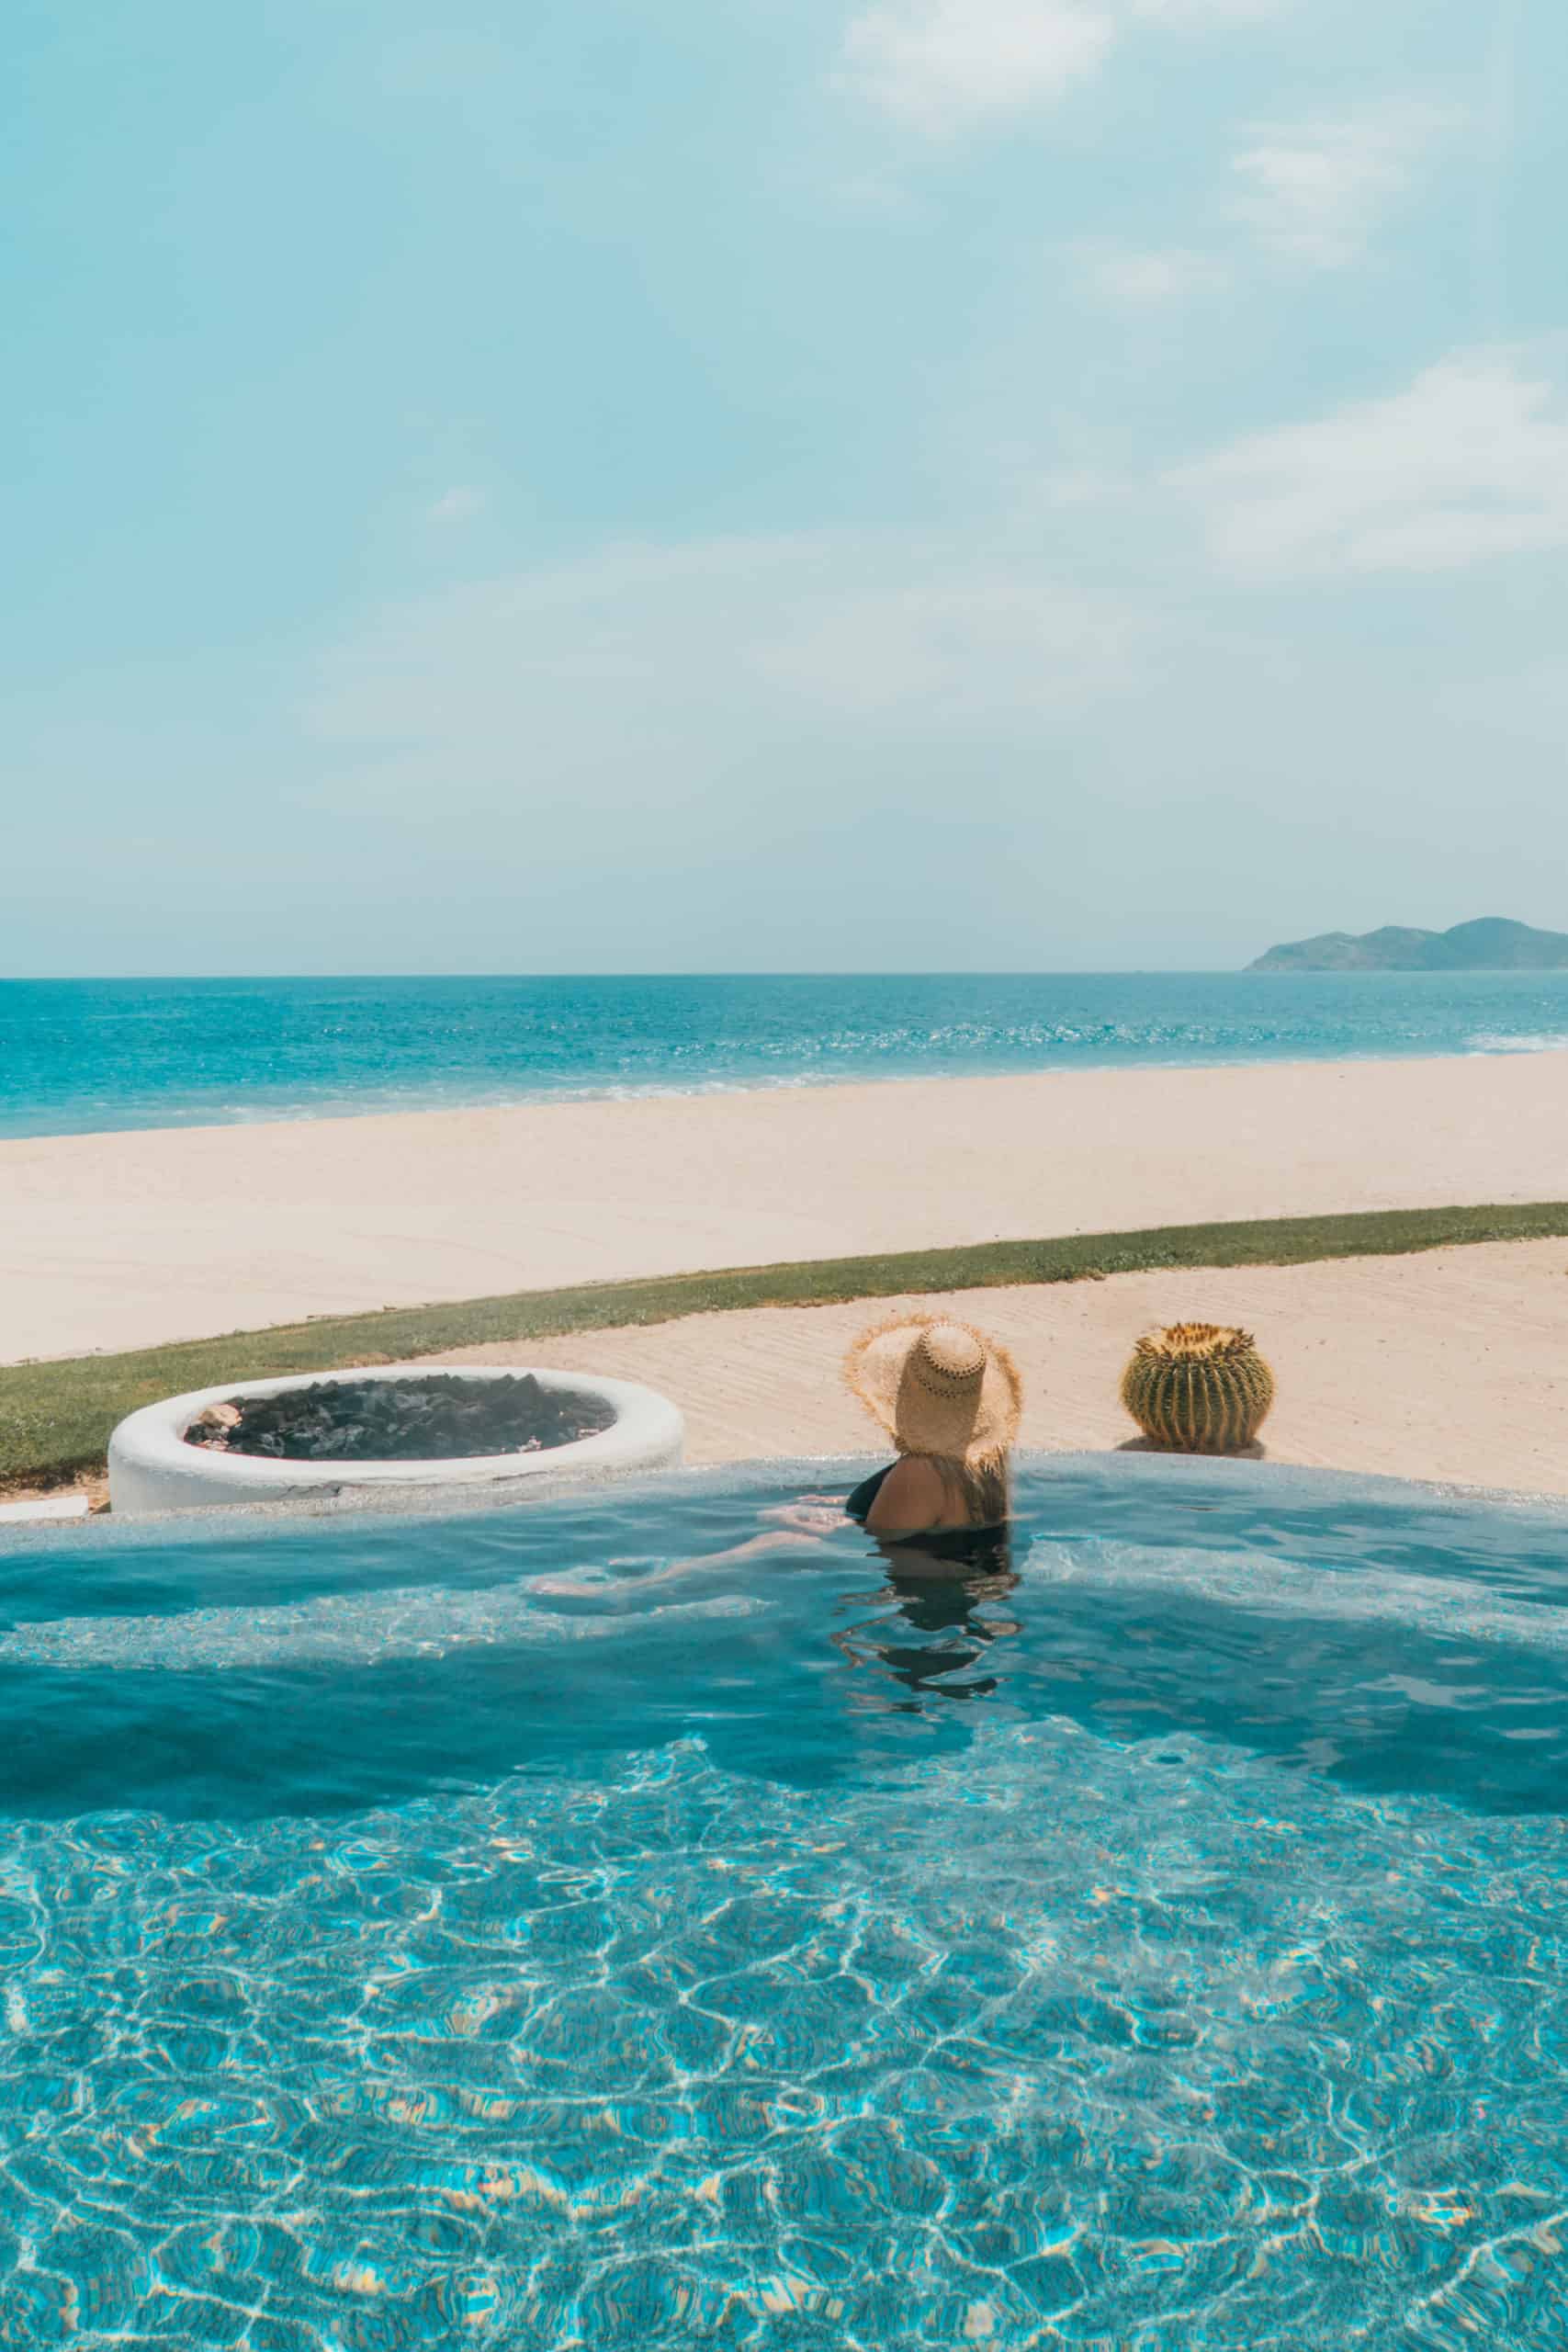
[{"x": 910, "y": 1498}]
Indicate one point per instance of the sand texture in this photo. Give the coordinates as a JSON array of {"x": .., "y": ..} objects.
[
  {"x": 125, "y": 1240},
  {"x": 1452, "y": 1365}
]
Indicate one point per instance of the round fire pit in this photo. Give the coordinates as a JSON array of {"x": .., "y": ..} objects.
[{"x": 267, "y": 1440}]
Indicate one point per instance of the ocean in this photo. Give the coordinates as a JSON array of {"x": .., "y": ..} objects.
[{"x": 85, "y": 1057}]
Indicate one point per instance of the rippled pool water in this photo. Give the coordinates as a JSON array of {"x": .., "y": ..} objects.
[{"x": 526, "y": 1928}]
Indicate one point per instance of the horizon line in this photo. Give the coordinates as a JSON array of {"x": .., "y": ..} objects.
[{"x": 801, "y": 972}]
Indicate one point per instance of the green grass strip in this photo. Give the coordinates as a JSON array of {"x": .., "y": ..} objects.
[{"x": 55, "y": 1417}]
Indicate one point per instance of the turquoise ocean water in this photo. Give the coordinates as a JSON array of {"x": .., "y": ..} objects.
[{"x": 82, "y": 1055}]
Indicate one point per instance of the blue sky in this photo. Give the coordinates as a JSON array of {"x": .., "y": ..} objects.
[{"x": 798, "y": 485}]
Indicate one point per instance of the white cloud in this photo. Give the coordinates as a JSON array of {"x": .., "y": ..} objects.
[
  {"x": 1125, "y": 278},
  {"x": 1470, "y": 462},
  {"x": 951, "y": 635},
  {"x": 457, "y": 505},
  {"x": 1199, "y": 15},
  {"x": 1316, "y": 190},
  {"x": 1062, "y": 488},
  {"x": 587, "y": 659},
  {"x": 943, "y": 65}
]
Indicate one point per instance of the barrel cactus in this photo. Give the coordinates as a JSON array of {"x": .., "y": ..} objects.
[{"x": 1198, "y": 1388}]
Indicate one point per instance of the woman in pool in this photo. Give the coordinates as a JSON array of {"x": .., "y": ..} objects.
[{"x": 950, "y": 1400}]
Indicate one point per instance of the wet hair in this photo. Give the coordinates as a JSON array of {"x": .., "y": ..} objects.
[{"x": 982, "y": 1487}]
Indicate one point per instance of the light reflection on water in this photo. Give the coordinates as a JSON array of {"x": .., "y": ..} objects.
[
  {"x": 80, "y": 1056},
  {"x": 494, "y": 1931}
]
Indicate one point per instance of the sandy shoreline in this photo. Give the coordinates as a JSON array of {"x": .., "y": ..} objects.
[{"x": 128, "y": 1239}]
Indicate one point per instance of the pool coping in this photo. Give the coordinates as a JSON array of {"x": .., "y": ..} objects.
[{"x": 1283, "y": 1481}]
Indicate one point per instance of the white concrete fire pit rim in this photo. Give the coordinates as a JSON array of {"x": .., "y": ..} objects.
[{"x": 152, "y": 1443}]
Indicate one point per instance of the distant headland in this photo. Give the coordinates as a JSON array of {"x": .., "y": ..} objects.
[{"x": 1490, "y": 945}]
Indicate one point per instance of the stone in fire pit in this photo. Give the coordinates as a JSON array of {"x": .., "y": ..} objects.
[{"x": 439, "y": 1419}]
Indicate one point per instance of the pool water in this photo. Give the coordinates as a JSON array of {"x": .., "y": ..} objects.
[{"x": 526, "y": 1928}]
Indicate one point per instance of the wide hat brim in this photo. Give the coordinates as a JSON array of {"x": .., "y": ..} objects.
[{"x": 975, "y": 1428}]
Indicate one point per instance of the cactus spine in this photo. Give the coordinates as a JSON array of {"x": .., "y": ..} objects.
[{"x": 1198, "y": 1388}]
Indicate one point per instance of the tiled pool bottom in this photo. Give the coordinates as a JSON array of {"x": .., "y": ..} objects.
[{"x": 1163, "y": 1952}]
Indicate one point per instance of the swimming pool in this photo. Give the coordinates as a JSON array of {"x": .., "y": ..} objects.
[{"x": 422, "y": 1931}]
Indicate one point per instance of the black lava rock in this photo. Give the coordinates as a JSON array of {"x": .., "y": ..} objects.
[{"x": 441, "y": 1419}]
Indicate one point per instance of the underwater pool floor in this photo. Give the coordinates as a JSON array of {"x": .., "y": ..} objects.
[{"x": 494, "y": 1937}]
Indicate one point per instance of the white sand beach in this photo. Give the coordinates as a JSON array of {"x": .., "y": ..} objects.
[{"x": 115, "y": 1242}]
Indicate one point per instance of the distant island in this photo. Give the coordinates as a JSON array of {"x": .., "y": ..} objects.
[{"x": 1490, "y": 945}]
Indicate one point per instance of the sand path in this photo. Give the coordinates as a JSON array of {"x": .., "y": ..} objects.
[
  {"x": 1451, "y": 1366},
  {"x": 126, "y": 1240}
]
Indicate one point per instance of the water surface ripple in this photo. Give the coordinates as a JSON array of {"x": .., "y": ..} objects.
[
  {"x": 85, "y": 1056},
  {"x": 534, "y": 1930}
]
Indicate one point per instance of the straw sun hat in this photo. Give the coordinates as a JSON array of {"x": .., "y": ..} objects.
[{"x": 937, "y": 1387}]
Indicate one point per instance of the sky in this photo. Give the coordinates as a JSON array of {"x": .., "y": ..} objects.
[{"x": 792, "y": 485}]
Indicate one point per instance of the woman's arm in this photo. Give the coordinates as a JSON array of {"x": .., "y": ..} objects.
[
  {"x": 799, "y": 1526},
  {"x": 910, "y": 1501}
]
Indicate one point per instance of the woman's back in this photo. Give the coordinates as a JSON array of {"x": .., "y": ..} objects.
[{"x": 919, "y": 1499}]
